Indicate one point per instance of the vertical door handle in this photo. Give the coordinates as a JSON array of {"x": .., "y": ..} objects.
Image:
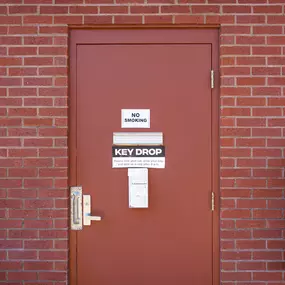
[
  {"x": 76, "y": 218},
  {"x": 87, "y": 218},
  {"x": 76, "y": 208}
]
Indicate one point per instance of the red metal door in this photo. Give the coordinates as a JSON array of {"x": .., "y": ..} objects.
[{"x": 171, "y": 242}]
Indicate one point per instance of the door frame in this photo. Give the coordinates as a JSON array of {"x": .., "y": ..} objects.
[{"x": 203, "y": 33}]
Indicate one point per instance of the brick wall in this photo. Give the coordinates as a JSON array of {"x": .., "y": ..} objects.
[{"x": 33, "y": 130}]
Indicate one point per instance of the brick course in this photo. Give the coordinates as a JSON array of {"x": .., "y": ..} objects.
[{"x": 33, "y": 130}]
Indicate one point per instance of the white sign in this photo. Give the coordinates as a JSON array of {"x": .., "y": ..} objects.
[
  {"x": 135, "y": 118},
  {"x": 138, "y": 187},
  {"x": 138, "y": 156}
]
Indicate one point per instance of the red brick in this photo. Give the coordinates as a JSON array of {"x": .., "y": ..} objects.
[
  {"x": 38, "y": 102},
  {"x": 144, "y": 9},
  {"x": 245, "y": 224},
  {"x": 233, "y": 112},
  {"x": 169, "y": 9},
  {"x": 20, "y": 193},
  {"x": 38, "y": 142},
  {"x": 22, "y": 172},
  {"x": 53, "y": 29},
  {"x": 37, "y": 81},
  {"x": 38, "y": 183},
  {"x": 232, "y": 152},
  {"x": 250, "y": 60},
  {"x": 251, "y": 266},
  {"x": 37, "y": 40},
  {"x": 165, "y": 19},
  {"x": 236, "y": 276},
  {"x": 8, "y": 61},
  {"x": 23, "y": 214},
  {"x": 54, "y": 172},
  {"x": 266, "y": 132},
  {"x": 275, "y": 142},
  {"x": 38, "y": 204},
  {"x": 22, "y": 254},
  {"x": 235, "y": 50},
  {"x": 276, "y": 60},
  {"x": 53, "y": 112},
  {"x": 38, "y": 265},
  {"x": 22, "y": 132},
  {"x": 22, "y": 9},
  {"x": 53, "y": 234},
  {"x": 53, "y": 255},
  {"x": 13, "y": 20},
  {"x": 7, "y": 244},
  {"x": 276, "y": 266},
  {"x": 235, "y": 214},
  {"x": 22, "y": 152},
  {"x": 189, "y": 19},
  {"x": 10, "y": 265},
  {"x": 38, "y": 244},
  {"x": 276, "y": 203},
  {"x": 251, "y": 203},
  {"x": 38, "y": 61},
  {"x": 260, "y": 193},
  {"x": 38, "y": 162},
  {"x": 19, "y": 112},
  {"x": 250, "y": 40},
  {"x": 267, "y": 276},
  {"x": 276, "y": 162},
  {"x": 266, "y": 50},
  {"x": 68, "y": 20},
  {"x": 276, "y": 224},
  {"x": 251, "y": 101},
  {"x": 267, "y": 91},
  {"x": 267, "y": 214},
  {"x": 88, "y": 20},
  {"x": 250, "y": 19},
  {"x": 21, "y": 276},
  {"x": 267, "y": 234},
  {"x": 270, "y": 255},
  {"x": 238, "y": 193},
  {"x": 53, "y": 214},
  {"x": 267, "y": 29},
  {"x": 278, "y": 122},
  {"x": 61, "y": 265},
  {"x": 10, "y": 81},
  {"x": 250, "y": 122},
  {"x": 11, "y": 224},
  {"x": 236, "y": 255},
  {"x": 251, "y": 81},
  {"x": 250, "y": 142},
  {"x": 38, "y": 224},
  {"x": 22, "y": 71},
  {"x": 60, "y": 276},
  {"x": 276, "y": 19},
  {"x": 54, "y": 10},
  {"x": 14, "y": 30},
  {"x": 37, "y": 19},
  {"x": 37, "y": 122},
  {"x": 235, "y": 132}
]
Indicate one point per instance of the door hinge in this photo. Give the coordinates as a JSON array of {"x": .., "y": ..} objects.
[
  {"x": 212, "y": 79},
  {"x": 213, "y": 201}
]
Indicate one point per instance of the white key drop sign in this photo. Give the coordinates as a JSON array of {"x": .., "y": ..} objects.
[
  {"x": 138, "y": 156},
  {"x": 135, "y": 118}
]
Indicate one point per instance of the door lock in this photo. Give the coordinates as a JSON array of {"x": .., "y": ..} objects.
[
  {"x": 79, "y": 216},
  {"x": 87, "y": 218}
]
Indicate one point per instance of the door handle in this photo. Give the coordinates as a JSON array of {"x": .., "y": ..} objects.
[
  {"x": 87, "y": 218},
  {"x": 76, "y": 208},
  {"x": 76, "y": 218}
]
